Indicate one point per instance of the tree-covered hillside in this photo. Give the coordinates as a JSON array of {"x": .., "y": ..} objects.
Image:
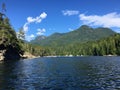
[
  {"x": 10, "y": 47},
  {"x": 83, "y": 41},
  {"x": 105, "y": 46},
  {"x": 82, "y": 34}
]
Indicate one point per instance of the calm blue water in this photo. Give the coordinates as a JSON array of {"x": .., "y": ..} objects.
[{"x": 61, "y": 73}]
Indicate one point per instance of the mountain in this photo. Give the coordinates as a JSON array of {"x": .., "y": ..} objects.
[
  {"x": 80, "y": 35},
  {"x": 38, "y": 39}
]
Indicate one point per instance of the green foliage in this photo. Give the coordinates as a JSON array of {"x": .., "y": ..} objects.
[
  {"x": 21, "y": 34},
  {"x": 106, "y": 46},
  {"x": 82, "y": 34},
  {"x": 8, "y": 35},
  {"x": 83, "y": 41}
]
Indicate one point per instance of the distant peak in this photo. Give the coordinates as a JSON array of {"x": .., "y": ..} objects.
[
  {"x": 85, "y": 26},
  {"x": 56, "y": 34},
  {"x": 40, "y": 37}
]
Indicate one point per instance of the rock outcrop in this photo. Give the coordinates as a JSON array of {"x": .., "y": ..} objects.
[
  {"x": 2, "y": 55},
  {"x": 28, "y": 55}
]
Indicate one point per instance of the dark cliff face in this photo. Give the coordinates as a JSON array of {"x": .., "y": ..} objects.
[{"x": 11, "y": 53}]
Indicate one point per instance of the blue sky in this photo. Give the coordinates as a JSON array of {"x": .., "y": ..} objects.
[{"x": 45, "y": 17}]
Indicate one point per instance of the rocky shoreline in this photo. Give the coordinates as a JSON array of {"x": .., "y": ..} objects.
[
  {"x": 27, "y": 55},
  {"x": 2, "y": 55},
  {"x": 12, "y": 56}
]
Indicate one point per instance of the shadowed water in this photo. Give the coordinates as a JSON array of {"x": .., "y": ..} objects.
[{"x": 61, "y": 73}]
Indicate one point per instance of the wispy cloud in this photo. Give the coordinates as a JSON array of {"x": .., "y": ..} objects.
[
  {"x": 25, "y": 27},
  {"x": 70, "y": 12},
  {"x": 30, "y": 37},
  {"x": 70, "y": 29},
  {"x": 110, "y": 20},
  {"x": 41, "y": 31},
  {"x": 37, "y": 19}
]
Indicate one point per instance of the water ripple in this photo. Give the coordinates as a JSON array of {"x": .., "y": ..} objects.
[{"x": 75, "y": 73}]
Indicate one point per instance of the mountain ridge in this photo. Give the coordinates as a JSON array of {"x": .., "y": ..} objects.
[{"x": 82, "y": 34}]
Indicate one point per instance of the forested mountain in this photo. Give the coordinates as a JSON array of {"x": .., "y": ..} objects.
[
  {"x": 38, "y": 38},
  {"x": 81, "y": 35},
  {"x": 105, "y": 46}
]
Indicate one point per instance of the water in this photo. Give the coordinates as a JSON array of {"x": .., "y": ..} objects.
[{"x": 61, "y": 73}]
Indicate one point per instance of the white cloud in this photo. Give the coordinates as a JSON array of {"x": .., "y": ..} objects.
[
  {"x": 30, "y": 37},
  {"x": 70, "y": 12},
  {"x": 37, "y": 19},
  {"x": 41, "y": 31},
  {"x": 109, "y": 20},
  {"x": 43, "y": 15},
  {"x": 31, "y": 19},
  {"x": 25, "y": 27},
  {"x": 70, "y": 29}
]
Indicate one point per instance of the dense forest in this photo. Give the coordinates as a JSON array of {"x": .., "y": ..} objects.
[
  {"x": 83, "y": 41},
  {"x": 104, "y": 46}
]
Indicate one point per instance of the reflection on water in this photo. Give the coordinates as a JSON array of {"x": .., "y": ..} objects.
[{"x": 62, "y": 73}]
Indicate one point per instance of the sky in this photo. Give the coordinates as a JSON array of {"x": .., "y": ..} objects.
[{"x": 45, "y": 17}]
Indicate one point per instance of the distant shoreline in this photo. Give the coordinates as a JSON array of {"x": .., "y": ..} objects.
[
  {"x": 69, "y": 56},
  {"x": 34, "y": 57}
]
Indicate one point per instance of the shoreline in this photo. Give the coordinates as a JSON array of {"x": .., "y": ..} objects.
[
  {"x": 71, "y": 56},
  {"x": 30, "y": 56}
]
